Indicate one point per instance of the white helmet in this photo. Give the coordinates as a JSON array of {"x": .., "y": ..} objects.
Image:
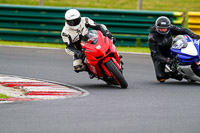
[{"x": 73, "y": 18}]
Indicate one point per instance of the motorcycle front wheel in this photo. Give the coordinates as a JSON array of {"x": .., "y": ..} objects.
[
  {"x": 116, "y": 74},
  {"x": 196, "y": 69}
]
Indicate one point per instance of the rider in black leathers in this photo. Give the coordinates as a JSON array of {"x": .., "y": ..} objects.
[{"x": 160, "y": 41}]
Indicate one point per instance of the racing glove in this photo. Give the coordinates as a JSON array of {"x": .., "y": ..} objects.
[
  {"x": 79, "y": 54},
  {"x": 170, "y": 61},
  {"x": 108, "y": 34},
  {"x": 195, "y": 36},
  {"x": 114, "y": 40}
]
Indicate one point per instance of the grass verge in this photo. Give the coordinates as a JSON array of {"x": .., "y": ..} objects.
[
  {"x": 50, "y": 45},
  {"x": 119, "y": 48},
  {"x": 3, "y": 96},
  {"x": 134, "y": 49}
]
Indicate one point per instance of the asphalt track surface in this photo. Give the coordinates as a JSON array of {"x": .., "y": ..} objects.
[{"x": 145, "y": 107}]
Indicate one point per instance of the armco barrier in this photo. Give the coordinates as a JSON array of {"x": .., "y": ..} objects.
[
  {"x": 44, "y": 24},
  {"x": 194, "y": 22}
]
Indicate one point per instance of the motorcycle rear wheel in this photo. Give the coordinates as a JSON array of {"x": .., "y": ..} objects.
[{"x": 116, "y": 74}]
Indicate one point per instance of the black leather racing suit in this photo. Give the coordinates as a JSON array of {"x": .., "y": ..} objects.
[{"x": 160, "y": 47}]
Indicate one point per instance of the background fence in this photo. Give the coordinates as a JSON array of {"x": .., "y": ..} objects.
[
  {"x": 44, "y": 24},
  {"x": 194, "y": 22}
]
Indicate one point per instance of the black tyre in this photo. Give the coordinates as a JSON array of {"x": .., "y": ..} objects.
[{"x": 116, "y": 74}]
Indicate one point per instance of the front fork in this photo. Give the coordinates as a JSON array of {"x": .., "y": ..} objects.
[{"x": 174, "y": 68}]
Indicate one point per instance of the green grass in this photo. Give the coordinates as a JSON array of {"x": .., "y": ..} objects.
[
  {"x": 3, "y": 96},
  {"x": 51, "y": 45},
  {"x": 62, "y": 46},
  {"x": 134, "y": 49},
  {"x": 159, "y": 5}
]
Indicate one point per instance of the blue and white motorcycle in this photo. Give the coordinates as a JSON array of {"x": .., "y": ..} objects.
[{"x": 186, "y": 54}]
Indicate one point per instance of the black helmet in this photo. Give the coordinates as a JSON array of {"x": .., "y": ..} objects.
[{"x": 163, "y": 25}]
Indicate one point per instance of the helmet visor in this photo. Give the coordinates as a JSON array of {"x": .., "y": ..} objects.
[
  {"x": 162, "y": 29},
  {"x": 74, "y": 22}
]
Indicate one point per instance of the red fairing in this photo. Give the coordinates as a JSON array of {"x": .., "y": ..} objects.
[
  {"x": 114, "y": 51},
  {"x": 100, "y": 52}
]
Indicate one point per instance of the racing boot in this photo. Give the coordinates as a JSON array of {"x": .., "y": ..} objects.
[
  {"x": 176, "y": 76},
  {"x": 78, "y": 65},
  {"x": 161, "y": 80}
]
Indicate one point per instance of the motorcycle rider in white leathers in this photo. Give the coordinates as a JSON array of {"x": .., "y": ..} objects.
[{"x": 75, "y": 28}]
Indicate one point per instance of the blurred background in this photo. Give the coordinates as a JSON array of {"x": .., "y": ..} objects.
[
  {"x": 124, "y": 12},
  {"x": 158, "y": 5}
]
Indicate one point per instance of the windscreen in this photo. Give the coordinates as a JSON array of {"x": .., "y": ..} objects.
[
  {"x": 179, "y": 42},
  {"x": 91, "y": 37}
]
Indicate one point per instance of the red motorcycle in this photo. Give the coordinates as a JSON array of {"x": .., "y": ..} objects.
[{"x": 102, "y": 59}]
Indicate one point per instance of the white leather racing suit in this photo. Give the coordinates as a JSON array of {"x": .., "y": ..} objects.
[{"x": 72, "y": 39}]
